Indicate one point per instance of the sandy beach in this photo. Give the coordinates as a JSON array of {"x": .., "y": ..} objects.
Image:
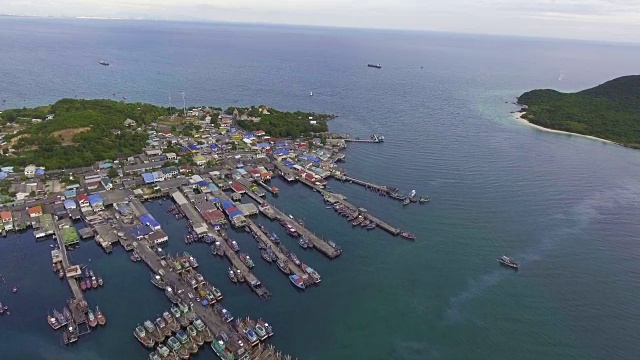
[{"x": 520, "y": 119}]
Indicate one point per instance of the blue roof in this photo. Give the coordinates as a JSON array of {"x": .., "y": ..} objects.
[
  {"x": 213, "y": 147},
  {"x": 202, "y": 183},
  {"x": 124, "y": 208},
  {"x": 227, "y": 204},
  {"x": 184, "y": 148},
  {"x": 264, "y": 145},
  {"x": 3, "y": 175},
  {"x": 282, "y": 152},
  {"x": 70, "y": 193},
  {"x": 106, "y": 165},
  {"x": 213, "y": 187},
  {"x": 216, "y": 200},
  {"x": 149, "y": 220},
  {"x": 39, "y": 171},
  {"x": 69, "y": 204},
  {"x": 148, "y": 178},
  {"x": 235, "y": 213},
  {"x": 193, "y": 147},
  {"x": 141, "y": 230},
  {"x": 94, "y": 199}
]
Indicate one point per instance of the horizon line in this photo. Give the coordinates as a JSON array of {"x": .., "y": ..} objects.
[{"x": 345, "y": 27}]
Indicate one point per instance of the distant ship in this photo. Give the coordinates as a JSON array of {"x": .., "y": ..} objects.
[
  {"x": 377, "y": 66},
  {"x": 507, "y": 261},
  {"x": 104, "y": 62}
]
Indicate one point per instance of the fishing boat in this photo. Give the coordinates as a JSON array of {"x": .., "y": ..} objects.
[
  {"x": 142, "y": 336},
  {"x": 365, "y": 223},
  {"x": 216, "y": 293},
  {"x": 283, "y": 267},
  {"x": 199, "y": 278},
  {"x": 192, "y": 260},
  {"x": 266, "y": 326},
  {"x": 239, "y": 275},
  {"x": 158, "y": 281},
  {"x": 94, "y": 282},
  {"x": 163, "y": 351},
  {"x": 265, "y": 255},
  {"x": 195, "y": 336},
  {"x": 247, "y": 332},
  {"x": 162, "y": 326},
  {"x": 297, "y": 281},
  {"x": 424, "y": 199},
  {"x": 153, "y": 331},
  {"x": 15, "y": 289},
  {"x": 507, "y": 261},
  {"x": 303, "y": 243},
  {"x": 372, "y": 226},
  {"x": 1, "y": 308},
  {"x": 203, "y": 330},
  {"x": 225, "y": 314},
  {"x": 407, "y": 235},
  {"x": 67, "y": 314},
  {"x": 91, "y": 319},
  {"x": 246, "y": 260},
  {"x": 100, "y": 317},
  {"x": 221, "y": 350},
  {"x": 173, "y": 297},
  {"x": 294, "y": 259},
  {"x": 406, "y": 202},
  {"x": 377, "y": 66},
  {"x": 57, "y": 314},
  {"x": 314, "y": 274},
  {"x": 61, "y": 274},
  {"x": 261, "y": 245},
  {"x": 100, "y": 281},
  {"x": 232, "y": 275},
  {"x": 260, "y": 331},
  {"x": 185, "y": 263},
  {"x": 171, "y": 322},
  {"x": 104, "y": 62},
  {"x": 357, "y": 221},
  {"x": 154, "y": 356},
  {"x": 87, "y": 283},
  {"x": 177, "y": 348},
  {"x": 51, "y": 320},
  {"x": 271, "y": 253},
  {"x": 233, "y": 245},
  {"x": 83, "y": 285},
  {"x": 274, "y": 238},
  {"x": 292, "y": 231}
]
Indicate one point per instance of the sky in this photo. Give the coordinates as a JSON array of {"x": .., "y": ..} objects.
[{"x": 601, "y": 20}]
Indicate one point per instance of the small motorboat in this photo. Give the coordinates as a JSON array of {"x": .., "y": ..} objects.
[
  {"x": 507, "y": 261},
  {"x": 15, "y": 289}
]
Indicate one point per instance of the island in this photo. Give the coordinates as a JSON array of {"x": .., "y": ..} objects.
[{"x": 610, "y": 111}]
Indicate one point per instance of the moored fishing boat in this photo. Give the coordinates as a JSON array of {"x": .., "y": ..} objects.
[
  {"x": 216, "y": 293},
  {"x": 247, "y": 332},
  {"x": 161, "y": 324},
  {"x": 239, "y": 274},
  {"x": 196, "y": 337},
  {"x": 163, "y": 351},
  {"x": 203, "y": 330},
  {"x": 259, "y": 329},
  {"x": 192, "y": 260},
  {"x": 176, "y": 346},
  {"x": 142, "y": 336},
  {"x": 424, "y": 199},
  {"x": 246, "y": 260},
  {"x": 51, "y": 320},
  {"x": 283, "y": 266},
  {"x": 172, "y": 320},
  {"x": 275, "y": 238},
  {"x": 91, "y": 319},
  {"x": 314, "y": 274},
  {"x": 232, "y": 275},
  {"x": 297, "y": 281},
  {"x": 94, "y": 282},
  {"x": 154, "y": 356},
  {"x": 291, "y": 231},
  {"x": 221, "y": 350},
  {"x": 67, "y": 314},
  {"x": 266, "y": 326},
  {"x": 100, "y": 281},
  {"x": 153, "y": 331},
  {"x": 100, "y": 317},
  {"x": 217, "y": 249},
  {"x": 173, "y": 297},
  {"x": 294, "y": 259},
  {"x": 57, "y": 314},
  {"x": 265, "y": 255},
  {"x": 233, "y": 245},
  {"x": 407, "y": 235},
  {"x": 87, "y": 283},
  {"x": 83, "y": 285},
  {"x": 158, "y": 281},
  {"x": 303, "y": 243}
]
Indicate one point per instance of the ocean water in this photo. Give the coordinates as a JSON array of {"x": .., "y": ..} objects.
[{"x": 565, "y": 207}]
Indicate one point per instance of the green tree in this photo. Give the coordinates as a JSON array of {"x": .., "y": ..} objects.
[{"x": 112, "y": 173}]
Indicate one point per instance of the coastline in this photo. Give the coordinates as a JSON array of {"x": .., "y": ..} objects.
[{"x": 518, "y": 116}]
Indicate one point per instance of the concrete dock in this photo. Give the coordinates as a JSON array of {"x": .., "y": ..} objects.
[
  {"x": 78, "y": 304},
  {"x": 333, "y": 198},
  {"x": 265, "y": 239},
  {"x": 380, "y": 188}
]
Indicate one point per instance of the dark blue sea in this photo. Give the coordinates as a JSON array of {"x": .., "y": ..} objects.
[{"x": 566, "y": 207}]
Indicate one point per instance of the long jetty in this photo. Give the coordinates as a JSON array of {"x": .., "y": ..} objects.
[
  {"x": 212, "y": 320},
  {"x": 380, "y": 188},
  {"x": 333, "y": 198},
  {"x": 250, "y": 279},
  {"x": 265, "y": 239},
  {"x": 78, "y": 304},
  {"x": 318, "y": 243}
]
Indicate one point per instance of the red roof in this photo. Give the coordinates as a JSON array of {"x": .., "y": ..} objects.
[
  {"x": 166, "y": 132},
  {"x": 237, "y": 187},
  {"x": 34, "y": 210},
  {"x": 255, "y": 172},
  {"x": 83, "y": 198},
  {"x": 309, "y": 176}
]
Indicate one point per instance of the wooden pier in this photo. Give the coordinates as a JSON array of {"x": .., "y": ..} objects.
[
  {"x": 276, "y": 250},
  {"x": 267, "y": 187}
]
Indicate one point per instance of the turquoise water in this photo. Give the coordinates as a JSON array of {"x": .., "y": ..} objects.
[{"x": 565, "y": 207}]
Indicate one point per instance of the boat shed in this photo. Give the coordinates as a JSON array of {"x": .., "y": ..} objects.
[
  {"x": 141, "y": 231},
  {"x": 150, "y": 221},
  {"x": 248, "y": 209},
  {"x": 158, "y": 237}
]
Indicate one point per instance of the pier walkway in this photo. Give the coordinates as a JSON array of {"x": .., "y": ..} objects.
[
  {"x": 265, "y": 239},
  {"x": 78, "y": 304},
  {"x": 380, "y": 188},
  {"x": 333, "y": 198},
  {"x": 318, "y": 243},
  {"x": 212, "y": 320}
]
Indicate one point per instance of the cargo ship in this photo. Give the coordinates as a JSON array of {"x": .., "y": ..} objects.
[{"x": 377, "y": 66}]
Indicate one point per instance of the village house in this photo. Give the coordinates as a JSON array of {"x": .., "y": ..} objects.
[
  {"x": 129, "y": 122},
  {"x": 34, "y": 211},
  {"x": 7, "y": 219},
  {"x": 30, "y": 171},
  {"x": 106, "y": 183},
  {"x": 199, "y": 160},
  {"x": 96, "y": 202}
]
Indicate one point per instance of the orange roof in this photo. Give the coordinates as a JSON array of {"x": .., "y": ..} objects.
[
  {"x": 5, "y": 215},
  {"x": 35, "y": 210}
]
